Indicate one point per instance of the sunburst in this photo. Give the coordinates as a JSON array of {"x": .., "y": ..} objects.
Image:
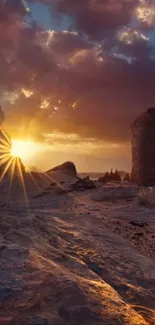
[
  {"x": 23, "y": 148},
  {"x": 11, "y": 165}
]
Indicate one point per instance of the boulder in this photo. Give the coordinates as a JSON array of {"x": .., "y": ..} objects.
[
  {"x": 67, "y": 168},
  {"x": 83, "y": 184}
]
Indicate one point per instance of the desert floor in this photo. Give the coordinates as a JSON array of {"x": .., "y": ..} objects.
[{"x": 66, "y": 259}]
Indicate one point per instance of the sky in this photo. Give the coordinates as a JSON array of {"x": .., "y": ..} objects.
[{"x": 74, "y": 76}]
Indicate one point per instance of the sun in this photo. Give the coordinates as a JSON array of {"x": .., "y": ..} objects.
[{"x": 23, "y": 149}]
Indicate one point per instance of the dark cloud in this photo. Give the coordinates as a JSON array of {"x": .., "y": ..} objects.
[
  {"x": 95, "y": 18},
  {"x": 106, "y": 111},
  {"x": 65, "y": 82}
]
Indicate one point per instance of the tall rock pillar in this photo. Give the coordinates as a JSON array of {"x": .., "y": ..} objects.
[{"x": 143, "y": 149}]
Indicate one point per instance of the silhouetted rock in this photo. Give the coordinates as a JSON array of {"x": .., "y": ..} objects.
[
  {"x": 110, "y": 177},
  {"x": 83, "y": 184},
  {"x": 105, "y": 178},
  {"x": 101, "y": 179},
  {"x": 143, "y": 149},
  {"x": 67, "y": 168},
  {"x": 111, "y": 172},
  {"x": 126, "y": 177},
  {"x": 116, "y": 176},
  {"x": 53, "y": 184}
]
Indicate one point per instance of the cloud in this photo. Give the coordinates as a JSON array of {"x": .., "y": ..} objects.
[
  {"x": 133, "y": 43},
  {"x": 95, "y": 18},
  {"x": 72, "y": 83},
  {"x": 145, "y": 13}
]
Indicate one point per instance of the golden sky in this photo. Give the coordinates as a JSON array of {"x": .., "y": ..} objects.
[
  {"x": 73, "y": 77},
  {"x": 89, "y": 155}
]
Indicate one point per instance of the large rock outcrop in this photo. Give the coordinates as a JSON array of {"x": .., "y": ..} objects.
[
  {"x": 67, "y": 168},
  {"x": 143, "y": 149}
]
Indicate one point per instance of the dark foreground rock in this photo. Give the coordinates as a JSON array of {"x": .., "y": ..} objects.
[{"x": 83, "y": 184}]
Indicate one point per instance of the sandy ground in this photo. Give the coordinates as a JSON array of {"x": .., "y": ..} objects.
[{"x": 68, "y": 260}]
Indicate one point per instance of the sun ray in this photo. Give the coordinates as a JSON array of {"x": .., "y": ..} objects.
[
  {"x": 53, "y": 180},
  {"x": 44, "y": 178},
  {"x": 3, "y": 148},
  {"x": 5, "y": 139},
  {"x": 11, "y": 179},
  {"x": 5, "y": 134},
  {"x": 62, "y": 187},
  {"x": 6, "y": 143},
  {"x": 23, "y": 184},
  {"x": 6, "y": 168},
  {"x": 37, "y": 186},
  {"x": 4, "y": 158},
  {"x": 34, "y": 181},
  {"x": 73, "y": 195},
  {"x": 4, "y": 154}
]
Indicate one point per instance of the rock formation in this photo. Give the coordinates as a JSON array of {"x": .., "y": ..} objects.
[
  {"x": 83, "y": 184},
  {"x": 143, "y": 149},
  {"x": 126, "y": 177},
  {"x": 116, "y": 176},
  {"x": 67, "y": 168},
  {"x": 110, "y": 177}
]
